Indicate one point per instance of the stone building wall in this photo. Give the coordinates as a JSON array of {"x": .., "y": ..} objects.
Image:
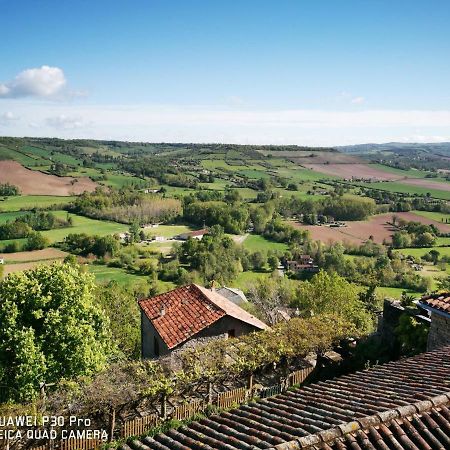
[{"x": 439, "y": 334}]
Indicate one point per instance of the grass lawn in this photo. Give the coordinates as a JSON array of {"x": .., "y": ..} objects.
[
  {"x": 255, "y": 242},
  {"x": 104, "y": 274},
  {"x": 32, "y": 201},
  {"x": 245, "y": 279},
  {"x": 393, "y": 292}
]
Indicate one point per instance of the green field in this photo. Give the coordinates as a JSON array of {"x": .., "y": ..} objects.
[
  {"x": 10, "y": 216},
  {"x": 246, "y": 279},
  {"x": 393, "y": 292},
  {"x": 80, "y": 225},
  {"x": 27, "y": 202},
  {"x": 419, "y": 252},
  {"x": 393, "y": 186},
  {"x": 437, "y": 216},
  {"x": 411, "y": 173},
  {"x": 104, "y": 274},
  {"x": 254, "y": 243}
]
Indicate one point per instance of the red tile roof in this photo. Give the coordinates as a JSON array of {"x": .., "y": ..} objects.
[
  {"x": 440, "y": 302},
  {"x": 181, "y": 313},
  {"x": 385, "y": 407},
  {"x": 198, "y": 233}
]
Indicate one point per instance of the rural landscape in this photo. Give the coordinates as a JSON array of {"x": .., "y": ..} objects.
[
  {"x": 273, "y": 203},
  {"x": 289, "y": 229},
  {"x": 224, "y": 225}
]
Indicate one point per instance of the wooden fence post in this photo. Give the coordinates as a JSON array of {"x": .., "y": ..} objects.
[
  {"x": 112, "y": 423},
  {"x": 250, "y": 382},
  {"x": 210, "y": 393},
  {"x": 164, "y": 407}
]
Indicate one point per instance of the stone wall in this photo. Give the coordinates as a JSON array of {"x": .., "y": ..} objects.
[{"x": 439, "y": 331}]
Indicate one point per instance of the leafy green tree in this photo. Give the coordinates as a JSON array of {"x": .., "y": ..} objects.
[
  {"x": 51, "y": 328},
  {"x": 425, "y": 239},
  {"x": 120, "y": 305},
  {"x": 412, "y": 335},
  {"x": 36, "y": 241},
  {"x": 273, "y": 262},
  {"x": 329, "y": 293}
]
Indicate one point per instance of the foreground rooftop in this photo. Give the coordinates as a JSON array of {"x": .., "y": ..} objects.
[{"x": 402, "y": 405}]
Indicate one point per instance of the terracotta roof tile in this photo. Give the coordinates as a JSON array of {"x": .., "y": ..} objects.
[
  {"x": 385, "y": 407},
  {"x": 440, "y": 302},
  {"x": 181, "y": 313}
]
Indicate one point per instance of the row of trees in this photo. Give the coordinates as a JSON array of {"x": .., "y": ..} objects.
[
  {"x": 25, "y": 224},
  {"x": 126, "y": 205}
]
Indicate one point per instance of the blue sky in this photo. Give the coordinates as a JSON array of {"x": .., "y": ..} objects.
[{"x": 302, "y": 72}]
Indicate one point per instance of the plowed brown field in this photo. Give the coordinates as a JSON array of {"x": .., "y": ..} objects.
[
  {"x": 364, "y": 171},
  {"x": 359, "y": 231},
  {"x": 32, "y": 182}
]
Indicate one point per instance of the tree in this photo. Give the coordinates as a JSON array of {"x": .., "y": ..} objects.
[
  {"x": 329, "y": 293},
  {"x": 269, "y": 294},
  {"x": 36, "y": 241},
  {"x": 412, "y": 335},
  {"x": 434, "y": 255},
  {"x": 273, "y": 262},
  {"x": 424, "y": 239},
  {"x": 121, "y": 307},
  {"x": 51, "y": 328}
]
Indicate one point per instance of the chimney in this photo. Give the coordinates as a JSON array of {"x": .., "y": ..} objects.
[
  {"x": 213, "y": 285},
  {"x": 162, "y": 311}
]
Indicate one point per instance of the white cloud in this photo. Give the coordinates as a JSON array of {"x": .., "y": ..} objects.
[
  {"x": 8, "y": 116},
  {"x": 64, "y": 122},
  {"x": 41, "y": 82},
  {"x": 238, "y": 124},
  {"x": 358, "y": 100}
]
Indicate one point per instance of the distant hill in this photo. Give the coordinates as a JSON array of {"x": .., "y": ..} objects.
[{"x": 401, "y": 148}]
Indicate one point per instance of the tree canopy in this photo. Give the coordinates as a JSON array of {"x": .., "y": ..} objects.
[{"x": 51, "y": 328}]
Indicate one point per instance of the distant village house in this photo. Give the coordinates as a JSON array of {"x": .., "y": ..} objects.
[
  {"x": 304, "y": 263},
  {"x": 198, "y": 234}
]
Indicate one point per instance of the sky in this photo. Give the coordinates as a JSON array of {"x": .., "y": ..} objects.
[{"x": 305, "y": 72}]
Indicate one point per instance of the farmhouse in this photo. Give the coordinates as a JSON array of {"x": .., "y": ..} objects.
[
  {"x": 399, "y": 405},
  {"x": 190, "y": 313},
  {"x": 304, "y": 263},
  {"x": 198, "y": 234},
  {"x": 438, "y": 306}
]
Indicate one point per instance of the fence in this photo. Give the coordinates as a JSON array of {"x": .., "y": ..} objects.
[
  {"x": 298, "y": 376},
  {"x": 227, "y": 399},
  {"x": 234, "y": 397},
  {"x": 188, "y": 410},
  {"x": 80, "y": 444},
  {"x": 138, "y": 426}
]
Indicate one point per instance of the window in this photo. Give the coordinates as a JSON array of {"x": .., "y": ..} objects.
[
  {"x": 231, "y": 333},
  {"x": 156, "y": 345}
]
